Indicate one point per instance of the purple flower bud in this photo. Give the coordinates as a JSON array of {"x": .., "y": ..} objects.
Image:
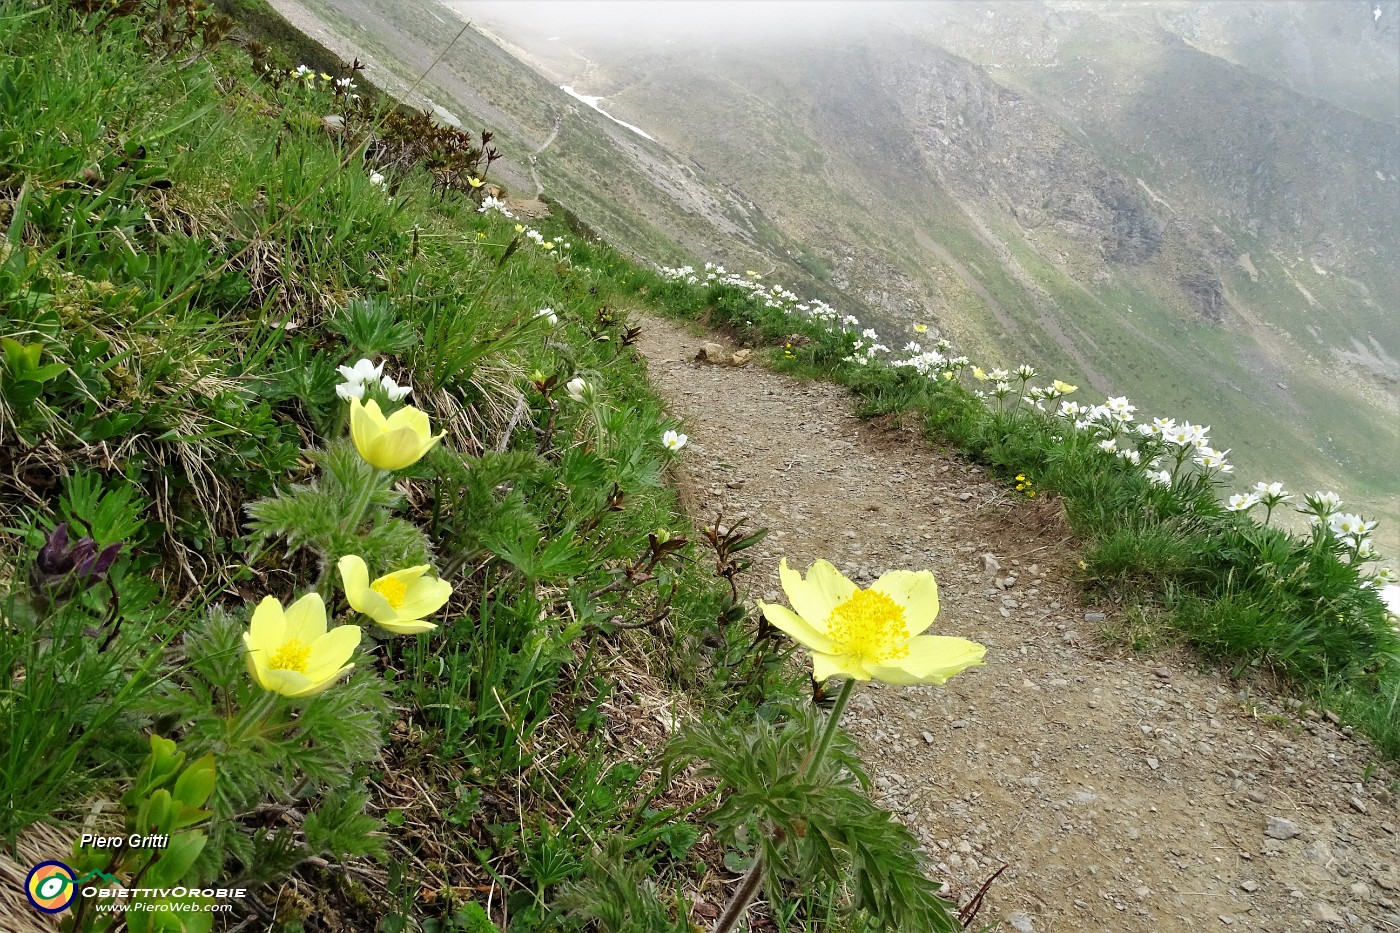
[{"x": 64, "y": 569}]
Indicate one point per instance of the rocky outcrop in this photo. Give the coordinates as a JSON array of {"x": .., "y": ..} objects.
[{"x": 1203, "y": 290}]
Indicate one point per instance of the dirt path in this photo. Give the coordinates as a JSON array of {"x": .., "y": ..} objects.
[
  {"x": 1126, "y": 792},
  {"x": 534, "y": 171}
]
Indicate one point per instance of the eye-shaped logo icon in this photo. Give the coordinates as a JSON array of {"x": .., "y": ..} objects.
[{"x": 51, "y": 887}]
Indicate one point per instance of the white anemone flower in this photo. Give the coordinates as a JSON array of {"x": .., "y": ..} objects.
[
  {"x": 1109, "y": 446},
  {"x": 363, "y": 371},
  {"x": 396, "y": 392},
  {"x": 548, "y": 313},
  {"x": 1242, "y": 502},
  {"x": 349, "y": 390},
  {"x": 673, "y": 441},
  {"x": 1160, "y": 478},
  {"x": 1349, "y": 524},
  {"x": 576, "y": 388}
]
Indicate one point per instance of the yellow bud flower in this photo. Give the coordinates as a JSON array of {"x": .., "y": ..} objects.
[
  {"x": 1064, "y": 388},
  {"x": 979, "y": 374},
  {"x": 920, "y": 328},
  {"x": 398, "y": 601},
  {"x": 390, "y": 443},
  {"x": 475, "y": 182},
  {"x": 290, "y": 652}
]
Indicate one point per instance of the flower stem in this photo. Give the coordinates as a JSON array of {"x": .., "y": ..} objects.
[
  {"x": 255, "y": 714},
  {"x": 753, "y": 879},
  {"x": 357, "y": 511},
  {"x": 832, "y": 721}
]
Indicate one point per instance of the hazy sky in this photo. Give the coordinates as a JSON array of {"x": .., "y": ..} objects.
[{"x": 651, "y": 20}]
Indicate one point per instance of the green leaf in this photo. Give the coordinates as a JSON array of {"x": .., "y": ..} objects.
[
  {"x": 22, "y": 359},
  {"x": 157, "y": 813},
  {"x": 194, "y": 786},
  {"x": 176, "y": 859}
]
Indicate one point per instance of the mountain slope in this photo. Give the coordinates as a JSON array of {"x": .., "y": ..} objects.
[{"x": 1072, "y": 185}]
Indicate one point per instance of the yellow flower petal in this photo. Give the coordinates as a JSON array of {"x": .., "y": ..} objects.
[
  {"x": 795, "y": 626},
  {"x": 354, "y": 577},
  {"x": 917, "y": 592},
  {"x": 815, "y": 597},
  {"x": 287, "y": 683},
  {"x": 407, "y": 628},
  {"x": 932, "y": 659},
  {"x": 330, "y": 652},
  {"x": 268, "y": 623},
  {"x": 424, "y": 598},
  {"x": 306, "y": 619},
  {"x": 831, "y": 665}
]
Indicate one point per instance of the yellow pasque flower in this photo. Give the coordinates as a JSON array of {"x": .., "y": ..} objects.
[
  {"x": 291, "y": 653},
  {"x": 1064, "y": 388},
  {"x": 920, "y": 328},
  {"x": 391, "y": 443},
  {"x": 872, "y": 633},
  {"x": 979, "y": 374},
  {"x": 397, "y": 601},
  {"x": 475, "y": 182}
]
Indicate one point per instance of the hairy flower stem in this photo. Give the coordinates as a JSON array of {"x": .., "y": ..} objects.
[
  {"x": 251, "y": 718},
  {"x": 357, "y": 511},
  {"x": 753, "y": 879}
]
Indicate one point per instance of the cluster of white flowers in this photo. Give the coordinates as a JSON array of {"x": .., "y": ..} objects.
[
  {"x": 364, "y": 373},
  {"x": 770, "y": 296},
  {"x": 493, "y": 203}
]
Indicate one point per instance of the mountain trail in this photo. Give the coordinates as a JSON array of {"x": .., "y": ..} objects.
[
  {"x": 534, "y": 170},
  {"x": 1125, "y": 792}
]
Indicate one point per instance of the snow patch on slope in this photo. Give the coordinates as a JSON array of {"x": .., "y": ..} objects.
[{"x": 593, "y": 102}]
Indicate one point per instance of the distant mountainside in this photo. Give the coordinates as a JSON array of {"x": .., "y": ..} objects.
[{"x": 1193, "y": 204}]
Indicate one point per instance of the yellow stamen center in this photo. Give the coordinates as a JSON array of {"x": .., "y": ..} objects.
[
  {"x": 292, "y": 656},
  {"x": 869, "y": 628},
  {"x": 391, "y": 589}
]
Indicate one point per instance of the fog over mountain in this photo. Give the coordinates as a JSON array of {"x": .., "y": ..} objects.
[{"x": 1194, "y": 204}]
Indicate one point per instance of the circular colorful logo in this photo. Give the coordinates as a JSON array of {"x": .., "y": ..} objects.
[{"x": 51, "y": 887}]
